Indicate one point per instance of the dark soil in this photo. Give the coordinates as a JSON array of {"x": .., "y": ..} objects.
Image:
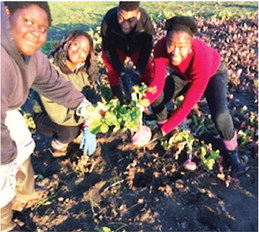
[{"x": 125, "y": 188}]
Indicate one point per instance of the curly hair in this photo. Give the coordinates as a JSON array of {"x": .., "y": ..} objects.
[
  {"x": 13, "y": 6},
  {"x": 59, "y": 53}
]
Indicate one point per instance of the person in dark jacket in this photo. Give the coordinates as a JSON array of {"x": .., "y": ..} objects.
[
  {"x": 196, "y": 70},
  {"x": 127, "y": 31},
  {"x": 24, "y": 27},
  {"x": 73, "y": 57}
]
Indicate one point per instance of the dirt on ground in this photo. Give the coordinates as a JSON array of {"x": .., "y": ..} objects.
[{"x": 125, "y": 188}]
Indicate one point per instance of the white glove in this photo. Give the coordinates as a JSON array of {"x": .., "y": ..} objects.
[{"x": 81, "y": 110}]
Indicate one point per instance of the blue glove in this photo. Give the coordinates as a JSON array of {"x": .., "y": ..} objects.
[{"x": 88, "y": 142}]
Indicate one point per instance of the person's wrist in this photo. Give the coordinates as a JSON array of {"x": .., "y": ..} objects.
[
  {"x": 163, "y": 133},
  {"x": 86, "y": 124}
]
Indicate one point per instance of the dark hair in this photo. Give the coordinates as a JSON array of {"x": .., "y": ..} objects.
[
  {"x": 13, "y": 6},
  {"x": 60, "y": 49},
  {"x": 129, "y": 6},
  {"x": 181, "y": 23}
]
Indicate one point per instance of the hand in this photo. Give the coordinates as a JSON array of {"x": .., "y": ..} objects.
[
  {"x": 82, "y": 109},
  {"x": 88, "y": 142},
  {"x": 157, "y": 134},
  {"x": 126, "y": 85},
  {"x": 135, "y": 77},
  {"x": 128, "y": 80}
]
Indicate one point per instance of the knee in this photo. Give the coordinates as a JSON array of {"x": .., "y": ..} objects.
[
  {"x": 224, "y": 124},
  {"x": 68, "y": 134}
]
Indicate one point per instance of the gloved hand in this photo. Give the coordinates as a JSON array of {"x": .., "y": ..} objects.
[
  {"x": 126, "y": 86},
  {"x": 128, "y": 80},
  {"x": 88, "y": 142},
  {"x": 82, "y": 109},
  {"x": 135, "y": 77}
]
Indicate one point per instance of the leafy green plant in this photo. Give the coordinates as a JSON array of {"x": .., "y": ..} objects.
[
  {"x": 180, "y": 139},
  {"x": 199, "y": 125},
  {"x": 208, "y": 156},
  {"x": 185, "y": 140},
  {"x": 243, "y": 138},
  {"x": 111, "y": 114}
]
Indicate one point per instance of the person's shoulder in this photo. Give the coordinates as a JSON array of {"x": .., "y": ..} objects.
[
  {"x": 199, "y": 43},
  {"x": 202, "y": 47},
  {"x": 143, "y": 12},
  {"x": 111, "y": 13}
]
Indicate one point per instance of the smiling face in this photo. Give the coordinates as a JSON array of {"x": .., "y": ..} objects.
[
  {"x": 78, "y": 51},
  {"x": 128, "y": 20},
  {"x": 178, "y": 46},
  {"x": 29, "y": 27}
]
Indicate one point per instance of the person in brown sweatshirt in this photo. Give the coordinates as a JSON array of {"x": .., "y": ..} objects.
[{"x": 24, "y": 27}]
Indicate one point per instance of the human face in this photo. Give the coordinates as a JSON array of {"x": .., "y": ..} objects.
[
  {"x": 29, "y": 27},
  {"x": 128, "y": 20},
  {"x": 178, "y": 46},
  {"x": 78, "y": 50}
]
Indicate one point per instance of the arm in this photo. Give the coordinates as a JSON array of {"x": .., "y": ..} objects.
[
  {"x": 8, "y": 146},
  {"x": 148, "y": 41},
  {"x": 192, "y": 96},
  {"x": 51, "y": 84},
  {"x": 108, "y": 47},
  {"x": 160, "y": 72},
  {"x": 144, "y": 53},
  {"x": 205, "y": 64}
]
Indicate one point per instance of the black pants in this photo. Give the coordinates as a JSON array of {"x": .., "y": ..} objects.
[
  {"x": 64, "y": 134},
  {"x": 216, "y": 96}
]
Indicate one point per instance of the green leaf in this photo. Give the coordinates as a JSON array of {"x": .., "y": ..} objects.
[
  {"x": 95, "y": 127},
  {"x": 214, "y": 154},
  {"x": 106, "y": 229},
  {"x": 104, "y": 128},
  {"x": 144, "y": 102},
  {"x": 110, "y": 118}
]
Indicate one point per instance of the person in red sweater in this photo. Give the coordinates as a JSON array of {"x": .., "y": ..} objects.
[{"x": 196, "y": 70}]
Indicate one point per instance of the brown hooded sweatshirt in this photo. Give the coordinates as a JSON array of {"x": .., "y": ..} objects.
[{"x": 18, "y": 75}]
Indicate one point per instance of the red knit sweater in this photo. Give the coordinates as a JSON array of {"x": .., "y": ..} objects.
[{"x": 198, "y": 67}]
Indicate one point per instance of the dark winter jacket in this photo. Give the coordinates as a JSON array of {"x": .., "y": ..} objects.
[
  {"x": 139, "y": 39},
  {"x": 18, "y": 75}
]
